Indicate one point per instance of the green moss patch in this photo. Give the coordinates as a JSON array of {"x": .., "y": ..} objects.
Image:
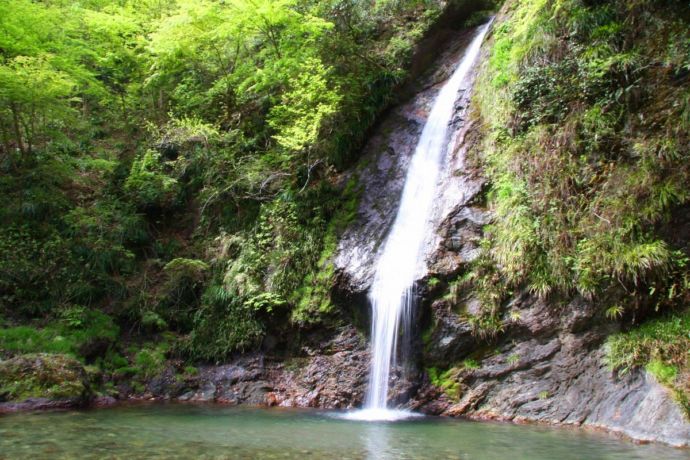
[
  {"x": 43, "y": 375},
  {"x": 661, "y": 347},
  {"x": 79, "y": 332}
]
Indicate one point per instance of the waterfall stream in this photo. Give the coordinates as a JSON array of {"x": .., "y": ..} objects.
[{"x": 402, "y": 258}]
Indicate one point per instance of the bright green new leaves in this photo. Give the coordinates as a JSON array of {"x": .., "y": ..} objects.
[
  {"x": 27, "y": 28},
  {"x": 304, "y": 108},
  {"x": 35, "y": 81},
  {"x": 32, "y": 94},
  {"x": 135, "y": 134},
  {"x": 236, "y": 57},
  {"x": 58, "y": 60}
]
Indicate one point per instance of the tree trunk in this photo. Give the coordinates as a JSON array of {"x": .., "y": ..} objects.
[
  {"x": 29, "y": 134},
  {"x": 17, "y": 128},
  {"x": 6, "y": 145}
]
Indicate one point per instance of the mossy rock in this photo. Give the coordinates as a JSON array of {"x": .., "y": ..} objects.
[{"x": 43, "y": 375}]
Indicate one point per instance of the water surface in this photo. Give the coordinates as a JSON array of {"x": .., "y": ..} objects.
[{"x": 176, "y": 431}]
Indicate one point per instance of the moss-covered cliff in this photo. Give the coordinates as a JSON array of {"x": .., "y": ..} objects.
[{"x": 585, "y": 115}]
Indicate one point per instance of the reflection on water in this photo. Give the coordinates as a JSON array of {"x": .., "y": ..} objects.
[
  {"x": 212, "y": 432},
  {"x": 377, "y": 440}
]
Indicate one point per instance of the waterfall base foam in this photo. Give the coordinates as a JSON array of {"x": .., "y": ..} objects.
[{"x": 379, "y": 415}]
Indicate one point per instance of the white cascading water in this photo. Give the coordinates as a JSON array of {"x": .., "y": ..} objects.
[{"x": 403, "y": 255}]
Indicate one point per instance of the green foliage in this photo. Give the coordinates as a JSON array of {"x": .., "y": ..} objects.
[
  {"x": 660, "y": 347},
  {"x": 191, "y": 370},
  {"x": 272, "y": 257},
  {"x": 149, "y": 362},
  {"x": 513, "y": 359},
  {"x": 149, "y": 184},
  {"x": 666, "y": 339},
  {"x": 264, "y": 302},
  {"x": 29, "y": 266},
  {"x": 447, "y": 381},
  {"x": 470, "y": 364},
  {"x": 181, "y": 268},
  {"x": 76, "y": 331},
  {"x": 178, "y": 163},
  {"x": 153, "y": 321},
  {"x": 663, "y": 372},
  {"x": 282, "y": 267},
  {"x": 222, "y": 325},
  {"x": 102, "y": 234},
  {"x": 484, "y": 278},
  {"x": 179, "y": 295},
  {"x": 26, "y": 339},
  {"x": 314, "y": 294},
  {"x": 304, "y": 108},
  {"x": 74, "y": 317},
  {"x": 581, "y": 144}
]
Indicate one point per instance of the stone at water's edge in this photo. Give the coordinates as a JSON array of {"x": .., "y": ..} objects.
[
  {"x": 549, "y": 368},
  {"x": 332, "y": 377},
  {"x": 42, "y": 381}
]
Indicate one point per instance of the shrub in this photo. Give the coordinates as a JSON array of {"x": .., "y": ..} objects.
[
  {"x": 580, "y": 149},
  {"x": 150, "y": 186},
  {"x": 659, "y": 346}
]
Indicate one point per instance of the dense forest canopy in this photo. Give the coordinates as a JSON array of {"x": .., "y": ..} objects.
[{"x": 174, "y": 165}]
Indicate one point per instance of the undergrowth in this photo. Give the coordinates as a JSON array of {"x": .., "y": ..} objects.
[
  {"x": 585, "y": 113},
  {"x": 179, "y": 166},
  {"x": 661, "y": 347}
]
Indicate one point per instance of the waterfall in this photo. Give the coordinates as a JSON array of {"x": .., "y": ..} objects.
[{"x": 402, "y": 258}]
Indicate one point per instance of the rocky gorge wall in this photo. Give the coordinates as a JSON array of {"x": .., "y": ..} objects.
[{"x": 547, "y": 366}]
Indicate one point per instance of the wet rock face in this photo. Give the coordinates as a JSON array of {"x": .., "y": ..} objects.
[
  {"x": 387, "y": 156},
  {"x": 382, "y": 170},
  {"x": 331, "y": 375},
  {"x": 549, "y": 367},
  {"x": 450, "y": 339}
]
